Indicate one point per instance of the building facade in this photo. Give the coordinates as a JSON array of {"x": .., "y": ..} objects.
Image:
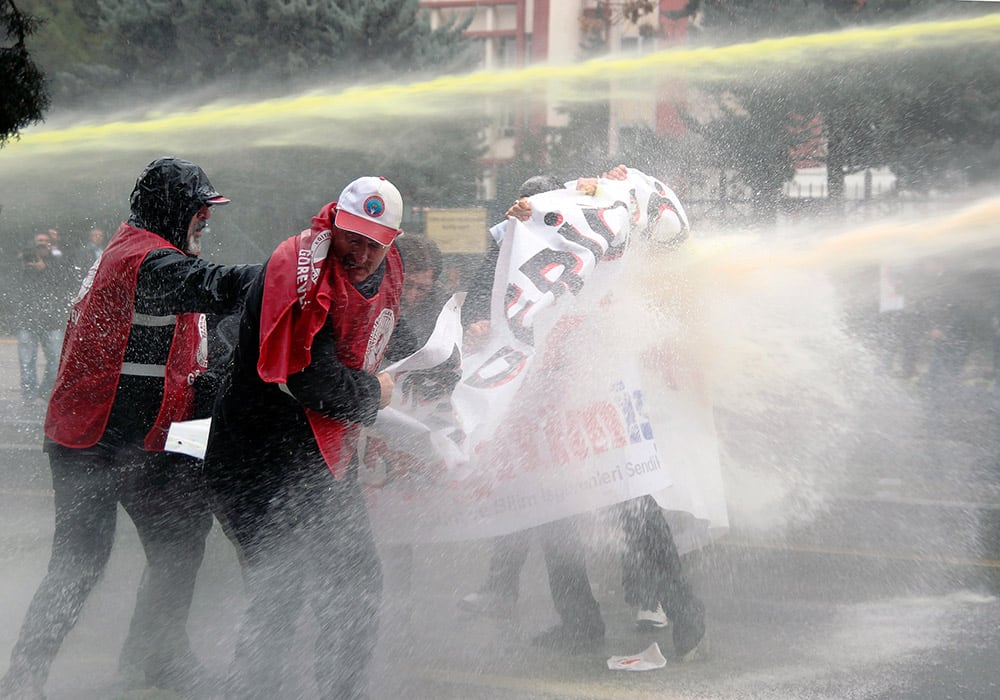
[{"x": 517, "y": 33}]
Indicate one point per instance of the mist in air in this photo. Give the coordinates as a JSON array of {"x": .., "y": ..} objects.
[{"x": 858, "y": 472}]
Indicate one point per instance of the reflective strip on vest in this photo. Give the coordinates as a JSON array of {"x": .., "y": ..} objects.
[
  {"x": 140, "y": 369},
  {"x": 147, "y": 320},
  {"x": 137, "y": 369}
]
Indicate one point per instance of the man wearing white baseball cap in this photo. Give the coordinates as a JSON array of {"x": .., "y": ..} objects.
[
  {"x": 281, "y": 455},
  {"x": 371, "y": 206}
]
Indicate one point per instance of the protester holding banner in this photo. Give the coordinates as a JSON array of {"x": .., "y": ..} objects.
[
  {"x": 651, "y": 566},
  {"x": 134, "y": 346},
  {"x": 580, "y": 624},
  {"x": 281, "y": 457},
  {"x": 420, "y": 305}
]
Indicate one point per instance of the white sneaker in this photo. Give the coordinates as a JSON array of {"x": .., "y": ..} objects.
[
  {"x": 647, "y": 620},
  {"x": 487, "y": 603}
]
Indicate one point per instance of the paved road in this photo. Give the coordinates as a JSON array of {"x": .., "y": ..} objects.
[{"x": 875, "y": 577}]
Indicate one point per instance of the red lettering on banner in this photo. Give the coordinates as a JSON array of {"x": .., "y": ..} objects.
[
  {"x": 604, "y": 427},
  {"x": 565, "y": 437},
  {"x": 552, "y": 430},
  {"x": 575, "y": 436},
  {"x": 526, "y": 444},
  {"x": 513, "y": 449}
]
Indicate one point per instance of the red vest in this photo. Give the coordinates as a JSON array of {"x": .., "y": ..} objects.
[
  {"x": 302, "y": 287},
  {"x": 94, "y": 349}
]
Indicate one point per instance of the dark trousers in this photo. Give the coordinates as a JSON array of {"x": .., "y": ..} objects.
[
  {"x": 652, "y": 572},
  {"x": 28, "y": 341},
  {"x": 565, "y": 560},
  {"x": 307, "y": 543},
  {"x": 651, "y": 566},
  {"x": 172, "y": 519}
]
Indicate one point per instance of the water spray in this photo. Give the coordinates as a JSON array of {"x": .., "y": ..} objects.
[{"x": 320, "y": 116}]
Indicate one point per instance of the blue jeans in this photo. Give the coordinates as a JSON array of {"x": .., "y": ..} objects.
[{"x": 27, "y": 353}]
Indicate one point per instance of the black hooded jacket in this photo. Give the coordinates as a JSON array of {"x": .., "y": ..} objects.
[{"x": 167, "y": 194}]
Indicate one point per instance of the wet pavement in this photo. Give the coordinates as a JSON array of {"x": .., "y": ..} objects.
[{"x": 880, "y": 581}]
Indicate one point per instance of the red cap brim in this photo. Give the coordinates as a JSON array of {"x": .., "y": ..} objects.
[
  {"x": 358, "y": 224},
  {"x": 217, "y": 200}
]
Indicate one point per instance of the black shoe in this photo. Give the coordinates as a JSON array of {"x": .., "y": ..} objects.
[
  {"x": 688, "y": 625},
  {"x": 571, "y": 638}
]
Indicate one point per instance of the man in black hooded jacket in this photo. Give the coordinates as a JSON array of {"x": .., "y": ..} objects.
[{"x": 133, "y": 350}]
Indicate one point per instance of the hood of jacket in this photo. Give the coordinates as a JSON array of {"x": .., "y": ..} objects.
[{"x": 167, "y": 194}]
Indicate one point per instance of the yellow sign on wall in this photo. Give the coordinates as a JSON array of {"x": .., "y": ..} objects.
[{"x": 457, "y": 230}]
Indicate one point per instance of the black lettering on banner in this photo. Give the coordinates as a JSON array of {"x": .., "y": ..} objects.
[
  {"x": 544, "y": 263},
  {"x": 574, "y": 235},
  {"x": 537, "y": 269},
  {"x": 518, "y": 327},
  {"x": 658, "y": 203},
  {"x": 428, "y": 386},
  {"x": 596, "y": 221},
  {"x": 541, "y": 268},
  {"x": 502, "y": 366}
]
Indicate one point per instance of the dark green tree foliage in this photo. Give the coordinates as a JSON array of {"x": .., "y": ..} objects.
[
  {"x": 67, "y": 48},
  {"x": 394, "y": 33},
  {"x": 754, "y": 135},
  {"x": 742, "y": 20},
  {"x": 23, "y": 94},
  {"x": 935, "y": 115},
  {"x": 180, "y": 42},
  {"x": 929, "y": 115},
  {"x": 434, "y": 161}
]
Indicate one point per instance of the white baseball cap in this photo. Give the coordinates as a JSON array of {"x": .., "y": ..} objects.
[{"x": 371, "y": 206}]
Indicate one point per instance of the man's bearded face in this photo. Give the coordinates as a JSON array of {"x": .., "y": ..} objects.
[{"x": 197, "y": 227}]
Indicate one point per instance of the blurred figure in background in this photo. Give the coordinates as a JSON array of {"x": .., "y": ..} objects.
[
  {"x": 56, "y": 240},
  {"x": 42, "y": 307},
  {"x": 94, "y": 246},
  {"x": 423, "y": 294},
  {"x": 955, "y": 310},
  {"x": 653, "y": 575},
  {"x": 581, "y": 626},
  {"x": 421, "y": 302},
  {"x": 899, "y": 329}
]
